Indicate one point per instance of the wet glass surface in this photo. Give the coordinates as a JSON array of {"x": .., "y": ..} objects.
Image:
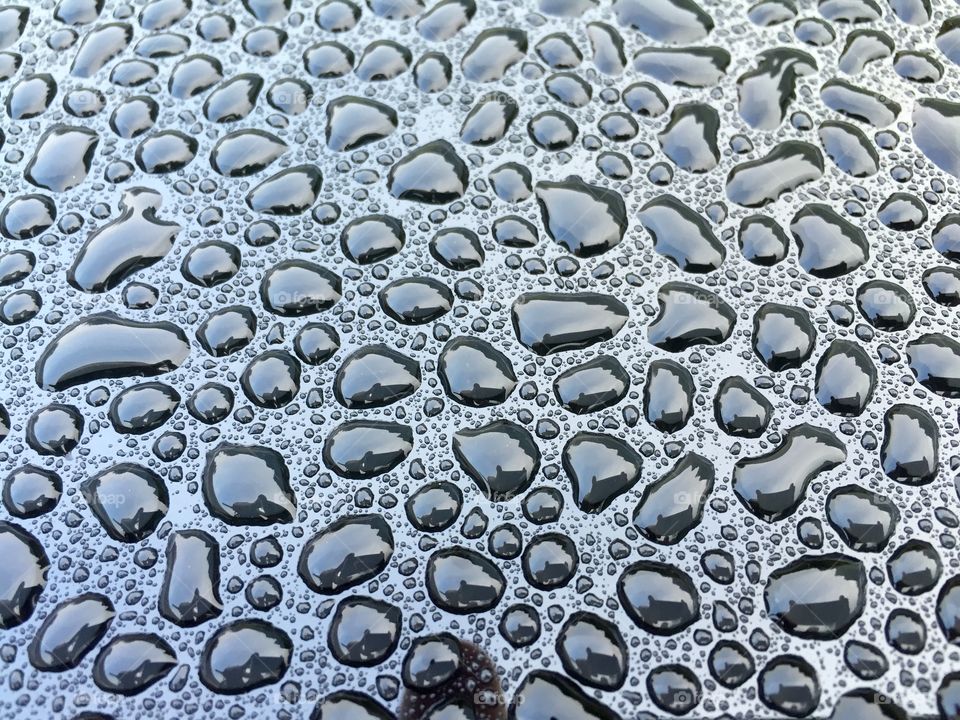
[{"x": 443, "y": 359}]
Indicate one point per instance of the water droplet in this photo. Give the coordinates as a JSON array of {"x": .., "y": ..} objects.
[{"x": 244, "y": 655}]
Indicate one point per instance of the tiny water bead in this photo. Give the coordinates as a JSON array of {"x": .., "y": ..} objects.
[{"x": 555, "y": 359}]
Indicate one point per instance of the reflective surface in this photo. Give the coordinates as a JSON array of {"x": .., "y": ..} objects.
[{"x": 410, "y": 359}]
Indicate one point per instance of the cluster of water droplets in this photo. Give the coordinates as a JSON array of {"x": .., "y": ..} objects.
[{"x": 542, "y": 359}]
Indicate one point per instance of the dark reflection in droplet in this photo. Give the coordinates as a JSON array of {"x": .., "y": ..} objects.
[
  {"x": 316, "y": 343},
  {"x": 134, "y": 116},
  {"x": 672, "y": 506},
  {"x": 245, "y": 655},
  {"x": 847, "y": 146},
  {"x": 772, "y": 486},
  {"x": 935, "y": 132},
  {"x": 414, "y": 301},
  {"x": 54, "y": 430},
  {"x": 227, "y": 330},
  {"x": 668, "y": 395},
  {"x": 364, "y": 631},
  {"x": 353, "y": 122},
  {"x": 15, "y": 266},
  {"x": 789, "y": 684},
  {"x": 20, "y": 307},
  {"x": 552, "y": 130},
  {"x": 585, "y": 219},
  {"x": 783, "y": 336},
  {"x": 674, "y": 688},
  {"x": 817, "y": 596},
  {"x": 914, "y": 568},
  {"x": 433, "y": 72},
  {"x": 328, "y": 60},
  {"x": 902, "y": 211},
  {"x": 731, "y": 664},
  {"x": 431, "y": 661},
  {"x": 948, "y": 609},
  {"x": 593, "y": 651},
  {"x": 511, "y": 182},
  {"x": 101, "y": 45},
  {"x": 905, "y": 632},
  {"x": 863, "y": 47},
  {"x": 863, "y": 519},
  {"x": 791, "y": 163},
  {"x": 886, "y": 305},
  {"x": 129, "y": 500},
  {"x": 70, "y": 631},
  {"x": 470, "y": 687},
  {"x": 248, "y": 485},
  {"x": 434, "y": 507},
  {"x": 233, "y": 99},
  {"x": 553, "y": 322},
  {"x": 364, "y": 449},
  {"x": 935, "y": 361},
  {"x": 829, "y": 245},
  {"x": 30, "y": 491},
  {"x": 559, "y": 51},
  {"x": 501, "y": 457},
  {"x": 766, "y": 92},
  {"x": 245, "y": 152},
  {"x": 289, "y": 192},
  {"x": 462, "y": 581},
  {"x": 489, "y": 120},
  {"x": 346, "y": 553},
  {"x": 690, "y": 137},
  {"x": 31, "y": 96},
  {"x": 193, "y": 75},
  {"x": 191, "y": 582},
  {"x": 142, "y": 408},
  {"x": 948, "y": 696},
  {"x": 349, "y": 705},
  {"x": 910, "y": 451},
  {"x": 845, "y": 380},
  {"x": 544, "y": 691},
  {"x": 432, "y": 174},
  {"x": 866, "y": 661},
  {"x": 165, "y": 152},
  {"x": 867, "y": 704},
  {"x": 299, "y": 287},
  {"x": 445, "y": 19},
  {"x": 26, "y": 216},
  {"x": 104, "y": 345},
  {"x": 520, "y": 625},
  {"x": 592, "y": 386},
  {"x": 475, "y": 373},
  {"x": 272, "y": 379},
  {"x": 569, "y": 89},
  {"x": 659, "y": 597},
  {"x": 609, "y": 54},
  {"x": 682, "y": 235},
  {"x": 375, "y": 376},
  {"x": 740, "y": 409},
  {"x": 694, "y": 67},
  {"x": 129, "y": 664},
  {"x": 457, "y": 248},
  {"x": 62, "y": 158},
  {"x": 942, "y": 284},
  {"x": 25, "y": 574},
  {"x": 689, "y": 316},
  {"x": 492, "y": 53},
  {"x": 211, "y": 403},
  {"x": 550, "y": 561},
  {"x": 135, "y": 240},
  {"x": 859, "y": 103}
]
